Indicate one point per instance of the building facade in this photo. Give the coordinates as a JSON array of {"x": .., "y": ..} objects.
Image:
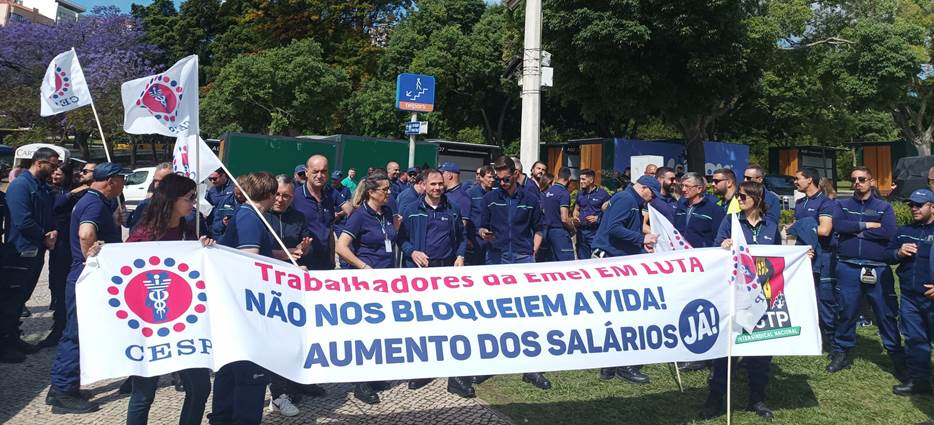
[{"x": 46, "y": 12}]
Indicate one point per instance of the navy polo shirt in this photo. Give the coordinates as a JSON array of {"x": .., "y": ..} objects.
[
  {"x": 476, "y": 194},
  {"x": 459, "y": 198},
  {"x": 590, "y": 204},
  {"x": 92, "y": 208},
  {"x": 226, "y": 207},
  {"x": 370, "y": 231},
  {"x": 556, "y": 197},
  {"x": 816, "y": 206},
  {"x": 514, "y": 220},
  {"x": 699, "y": 222},
  {"x": 319, "y": 217},
  {"x": 396, "y": 187},
  {"x": 29, "y": 203},
  {"x": 344, "y": 195},
  {"x": 763, "y": 233},
  {"x": 289, "y": 226},
  {"x": 246, "y": 230},
  {"x": 620, "y": 230}
]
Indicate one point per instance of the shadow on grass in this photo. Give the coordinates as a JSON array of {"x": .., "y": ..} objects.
[
  {"x": 870, "y": 350},
  {"x": 785, "y": 391}
]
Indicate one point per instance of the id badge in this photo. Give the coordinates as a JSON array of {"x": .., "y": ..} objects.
[{"x": 388, "y": 245}]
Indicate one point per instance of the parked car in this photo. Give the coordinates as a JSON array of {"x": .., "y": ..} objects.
[
  {"x": 784, "y": 187},
  {"x": 137, "y": 186}
]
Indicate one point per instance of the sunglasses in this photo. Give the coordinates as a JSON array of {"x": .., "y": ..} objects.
[
  {"x": 301, "y": 174},
  {"x": 861, "y": 179},
  {"x": 916, "y": 204},
  {"x": 717, "y": 181},
  {"x": 507, "y": 179},
  {"x": 85, "y": 171},
  {"x": 743, "y": 197},
  {"x": 749, "y": 177}
]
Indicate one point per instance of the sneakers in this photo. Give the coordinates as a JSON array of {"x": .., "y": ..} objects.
[{"x": 284, "y": 406}]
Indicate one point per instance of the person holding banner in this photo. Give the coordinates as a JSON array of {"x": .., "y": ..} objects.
[
  {"x": 366, "y": 242},
  {"x": 758, "y": 229},
  {"x": 240, "y": 387},
  {"x": 587, "y": 211},
  {"x": 620, "y": 233},
  {"x": 92, "y": 224},
  {"x": 864, "y": 224},
  {"x": 432, "y": 235},
  {"x": 911, "y": 250},
  {"x": 512, "y": 223},
  {"x": 165, "y": 220}
]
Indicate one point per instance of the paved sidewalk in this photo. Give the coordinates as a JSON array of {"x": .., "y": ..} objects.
[{"x": 24, "y": 386}]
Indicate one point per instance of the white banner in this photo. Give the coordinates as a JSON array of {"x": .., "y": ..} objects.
[
  {"x": 151, "y": 308},
  {"x": 165, "y": 103},
  {"x": 63, "y": 87}
]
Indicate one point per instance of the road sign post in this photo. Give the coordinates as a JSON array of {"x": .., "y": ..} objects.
[{"x": 414, "y": 93}]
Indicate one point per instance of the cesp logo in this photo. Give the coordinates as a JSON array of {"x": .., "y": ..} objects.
[
  {"x": 161, "y": 98},
  {"x": 158, "y": 296},
  {"x": 62, "y": 95}
]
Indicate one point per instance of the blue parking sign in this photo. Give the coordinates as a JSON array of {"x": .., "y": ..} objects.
[{"x": 415, "y": 93}]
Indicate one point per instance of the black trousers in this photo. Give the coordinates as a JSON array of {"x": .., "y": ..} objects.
[
  {"x": 59, "y": 266},
  {"x": 18, "y": 278}
]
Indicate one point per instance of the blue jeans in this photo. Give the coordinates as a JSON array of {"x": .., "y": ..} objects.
[{"x": 197, "y": 383}]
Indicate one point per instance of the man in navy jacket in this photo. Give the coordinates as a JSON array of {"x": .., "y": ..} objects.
[
  {"x": 864, "y": 225},
  {"x": 30, "y": 233},
  {"x": 697, "y": 216},
  {"x": 911, "y": 250},
  {"x": 619, "y": 234}
]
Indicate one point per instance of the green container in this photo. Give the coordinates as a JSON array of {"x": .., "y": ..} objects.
[
  {"x": 362, "y": 152},
  {"x": 245, "y": 153}
]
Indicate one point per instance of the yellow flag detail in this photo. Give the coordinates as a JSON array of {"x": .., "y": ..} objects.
[{"x": 734, "y": 206}]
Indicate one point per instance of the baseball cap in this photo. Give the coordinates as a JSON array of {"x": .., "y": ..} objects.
[
  {"x": 651, "y": 183},
  {"x": 106, "y": 170},
  {"x": 450, "y": 167},
  {"x": 921, "y": 196},
  {"x": 336, "y": 175},
  {"x": 412, "y": 170},
  {"x": 300, "y": 168}
]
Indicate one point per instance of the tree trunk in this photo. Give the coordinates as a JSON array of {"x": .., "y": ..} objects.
[
  {"x": 81, "y": 139},
  {"x": 152, "y": 145},
  {"x": 694, "y": 131}
]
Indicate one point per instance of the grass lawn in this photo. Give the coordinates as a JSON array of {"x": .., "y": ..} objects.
[{"x": 800, "y": 392}]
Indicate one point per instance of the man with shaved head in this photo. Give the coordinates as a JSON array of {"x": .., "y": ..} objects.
[{"x": 319, "y": 202}]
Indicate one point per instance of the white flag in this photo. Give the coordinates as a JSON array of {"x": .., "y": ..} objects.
[
  {"x": 669, "y": 238},
  {"x": 165, "y": 103},
  {"x": 63, "y": 87},
  {"x": 185, "y": 163},
  {"x": 750, "y": 303}
]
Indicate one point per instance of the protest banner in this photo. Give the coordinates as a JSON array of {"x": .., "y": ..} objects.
[{"x": 151, "y": 308}]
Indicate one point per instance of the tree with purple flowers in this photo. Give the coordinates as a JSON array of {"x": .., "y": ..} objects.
[{"x": 110, "y": 48}]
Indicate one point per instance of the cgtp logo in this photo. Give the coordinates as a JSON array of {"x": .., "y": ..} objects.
[
  {"x": 158, "y": 296},
  {"x": 62, "y": 95},
  {"x": 699, "y": 326},
  {"x": 161, "y": 98}
]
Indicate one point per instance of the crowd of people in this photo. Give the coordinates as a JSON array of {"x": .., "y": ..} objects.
[{"x": 429, "y": 218}]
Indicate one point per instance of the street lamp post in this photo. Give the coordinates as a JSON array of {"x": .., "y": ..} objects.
[{"x": 531, "y": 83}]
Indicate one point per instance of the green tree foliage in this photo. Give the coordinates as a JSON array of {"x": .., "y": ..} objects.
[{"x": 288, "y": 90}]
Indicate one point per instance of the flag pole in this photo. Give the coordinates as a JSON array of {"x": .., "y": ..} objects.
[
  {"x": 729, "y": 352},
  {"x": 268, "y": 226},
  {"x": 101, "y": 131},
  {"x": 198, "y": 186}
]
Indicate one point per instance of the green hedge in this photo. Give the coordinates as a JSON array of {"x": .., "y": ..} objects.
[{"x": 902, "y": 213}]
